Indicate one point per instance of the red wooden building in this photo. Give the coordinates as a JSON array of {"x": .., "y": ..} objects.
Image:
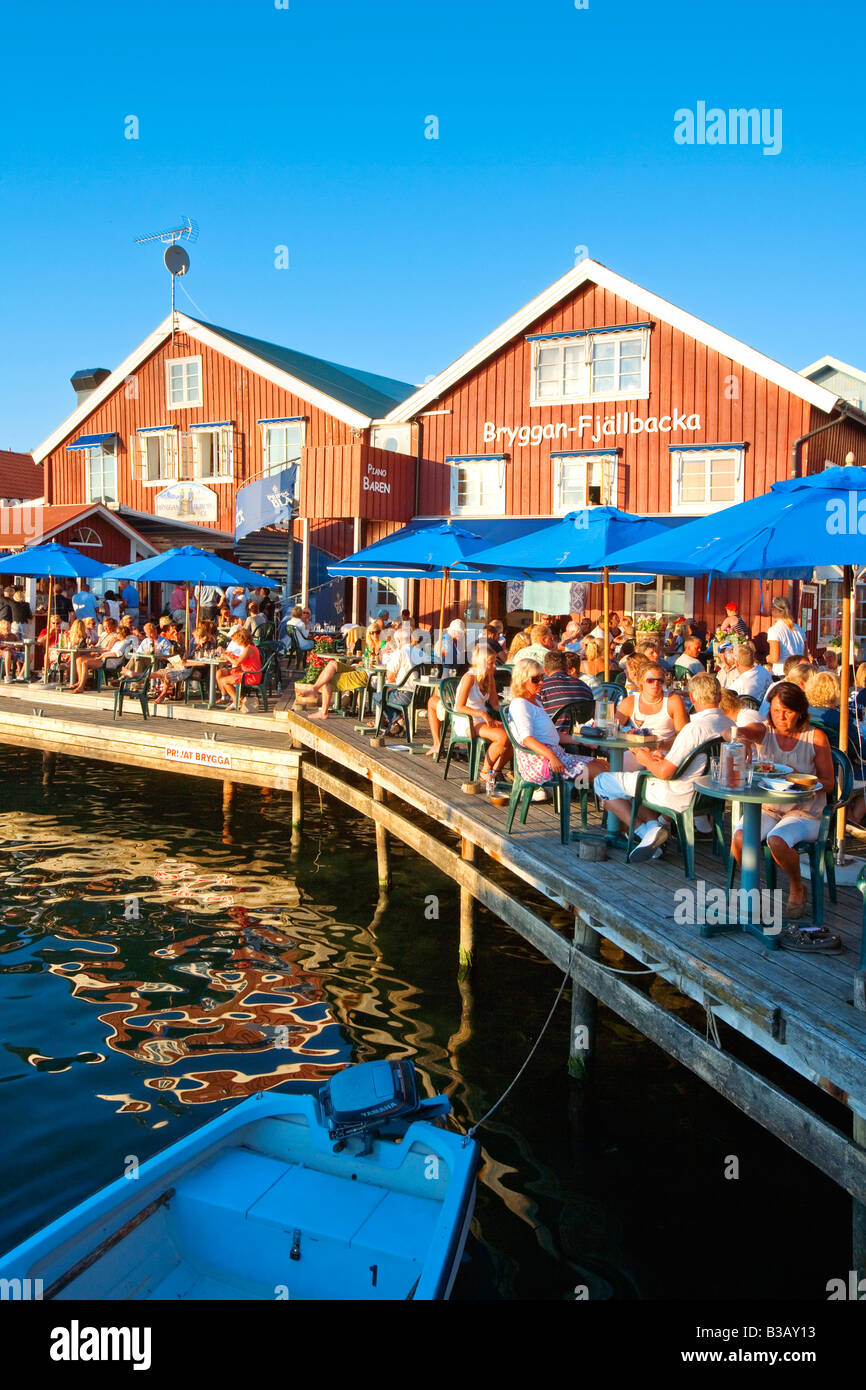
[
  {"x": 167, "y": 439},
  {"x": 599, "y": 392}
]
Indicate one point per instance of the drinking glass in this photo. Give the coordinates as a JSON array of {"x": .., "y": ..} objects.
[
  {"x": 747, "y": 776},
  {"x": 715, "y": 771}
]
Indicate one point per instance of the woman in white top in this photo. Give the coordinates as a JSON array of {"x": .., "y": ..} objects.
[
  {"x": 302, "y": 632},
  {"x": 785, "y": 637},
  {"x": 477, "y": 690},
  {"x": 534, "y": 728}
]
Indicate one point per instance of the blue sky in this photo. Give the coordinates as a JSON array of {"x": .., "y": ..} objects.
[{"x": 305, "y": 127}]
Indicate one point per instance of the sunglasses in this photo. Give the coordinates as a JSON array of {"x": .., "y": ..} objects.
[
  {"x": 653, "y": 680},
  {"x": 536, "y": 680}
]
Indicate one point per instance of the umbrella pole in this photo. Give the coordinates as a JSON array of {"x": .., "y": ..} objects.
[
  {"x": 844, "y": 687},
  {"x": 48, "y": 632},
  {"x": 606, "y": 590},
  {"x": 442, "y": 613},
  {"x": 186, "y": 622}
]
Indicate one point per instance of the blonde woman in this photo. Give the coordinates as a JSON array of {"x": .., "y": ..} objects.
[
  {"x": 785, "y": 637},
  {"x": 536, "y": 731},
  {"x": 592, "y": 664},
  {"x": 477, "y": 690}
]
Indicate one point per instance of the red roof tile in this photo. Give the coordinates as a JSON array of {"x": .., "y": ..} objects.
[{"x": 19, "y": 475}]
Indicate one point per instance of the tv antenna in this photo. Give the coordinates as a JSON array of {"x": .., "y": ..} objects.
[{"x": 176, "y": 258}]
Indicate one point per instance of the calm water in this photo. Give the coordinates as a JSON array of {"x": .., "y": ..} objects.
[{"x": 160, "y": 959}]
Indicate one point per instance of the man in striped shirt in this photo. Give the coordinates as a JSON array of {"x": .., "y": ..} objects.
[{"x": 559, "y": 688}]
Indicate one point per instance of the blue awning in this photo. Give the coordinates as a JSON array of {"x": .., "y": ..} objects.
[{"x": 91, "y": 441}]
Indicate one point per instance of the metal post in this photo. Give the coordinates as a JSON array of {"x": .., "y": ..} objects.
[
  {"x": 584, "y": 1007},
  {"x": 305, "y": 561},
  {"x": 357, "y": 533}
]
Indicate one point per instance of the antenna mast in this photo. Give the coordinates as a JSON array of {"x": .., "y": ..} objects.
[{"x": 176, "y": 258}]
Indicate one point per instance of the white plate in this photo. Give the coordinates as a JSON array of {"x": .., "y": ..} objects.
[
  {"x": 775, "y": 784},
  {"x": 777, "y": 767}
]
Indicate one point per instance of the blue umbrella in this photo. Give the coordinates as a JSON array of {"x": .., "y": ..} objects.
[
  {"x": 52, "y": 561},
  {"x": 799, "y": 524},
  {"x": 190, "y": 562},
  {"x": 570, "y": 547}
]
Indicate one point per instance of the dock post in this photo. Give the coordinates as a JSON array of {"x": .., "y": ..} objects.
[
  {"x": 383, "y": 851},
  {"x": 858, "y": 1209},
  {"x": 49, "y": 767},
  {"x": 228, "y": 804},
  {"x": 297, "y": 792},
  {"x": 584, "y": 1007},
  {"x": 467, "y": 915}
]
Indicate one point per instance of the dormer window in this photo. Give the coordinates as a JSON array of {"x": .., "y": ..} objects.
[{"x": 606, "y": 364}]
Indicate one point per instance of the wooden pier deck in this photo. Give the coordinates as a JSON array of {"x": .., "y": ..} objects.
[{"x": 798, "y": 1009}]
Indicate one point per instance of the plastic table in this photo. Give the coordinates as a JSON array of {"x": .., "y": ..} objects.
[
  {"x": 616, "y": 746},
  {"x": 752, "y": 799}
]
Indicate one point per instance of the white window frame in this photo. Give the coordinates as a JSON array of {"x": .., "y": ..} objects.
[
  {"x": 564, "y": 462},
  {"x": 169, "y": 455},
  {"x": 271, "y": 466},
  {"x": 78, "y": 537},
  {"x": 107, "y": 455},
  {"x": 713, "y": 453},
  {"x": 584, "y": 389},
  {"x": 188, "y": 400},
  {"x": 494, "y": 507},
  {"x": 688, "y": 597},
  {"x": 225, "y": 432}
]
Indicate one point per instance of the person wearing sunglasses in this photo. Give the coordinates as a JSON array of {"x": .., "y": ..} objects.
[
  {"x": 616, "y": 789},
  {"x": 536, "y": 731},
  {"x": 652, "y": 711}
]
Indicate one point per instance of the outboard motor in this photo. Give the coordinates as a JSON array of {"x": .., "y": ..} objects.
[{"x": 364, "y": 1099}]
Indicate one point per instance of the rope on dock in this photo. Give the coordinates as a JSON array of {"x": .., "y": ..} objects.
[{"x": 484, "y": 1118}]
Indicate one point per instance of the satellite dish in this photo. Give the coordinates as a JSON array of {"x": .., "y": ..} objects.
[{"x": 176, "y": 259}]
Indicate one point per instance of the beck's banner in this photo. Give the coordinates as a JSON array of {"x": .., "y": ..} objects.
[{"x": 266, "y": 502}]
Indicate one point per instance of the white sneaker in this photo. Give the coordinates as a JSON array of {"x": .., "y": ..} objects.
[{"x": 651, "y": 837}]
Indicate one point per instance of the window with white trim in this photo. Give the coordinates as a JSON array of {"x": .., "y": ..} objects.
[
  {"x": 478, "y": 485},
  {"x": 665, "y": 594},
  {"x": 705, "y": 480},
  {"x": 100, "y": 473},
  {"x": 85, "y": 535},
  {"x": 183, "y": 382},
  {"x": 583, "y": 480},
  {"x": 212, "y": 450},
  {"x": 154, "y": 456},
  {"x": 608, "y": 366},
  {"x": 282, "y": 442}
]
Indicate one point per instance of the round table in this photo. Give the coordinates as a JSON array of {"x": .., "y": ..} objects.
[
  {"x": 616, "y": 746},
  {"x": 213, "y": 662},
  {"x": 752, "y": 799}
]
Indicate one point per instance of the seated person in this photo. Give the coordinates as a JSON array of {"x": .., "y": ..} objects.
[
  {"x": 536, "y": 731},
  {"x": 450, "y": 650},
  {"x": 571, "y": 637},
  {"x": 399, "y": 662},
  {"x": 246, "y": 667},
  {"x": 560, "y": 689},
  {"x": 797, "y": 670},
  {"x": 346, "y": 674},
  {"x": 787, "y": 737},
  {"x": 650, "y": 709},
  {"x": 255, "y": 617},
  {"x": 592, "y": 663},
  {"x": 477, "y": 690},
  {"x": 297, "y": 621},
  {"x": 114, "y": 647},
  {"x": 689, "y": 660},
  {"x": 13, "y": 655},
  {"x": 750, "y": 679},
  {"x": 617, "y": 789},
  {"x": 541, "y": 642},
  {"x": 142, "y": 649}
]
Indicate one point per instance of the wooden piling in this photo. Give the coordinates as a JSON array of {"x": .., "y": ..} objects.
[
  {"x": 584, "y": 1007},
  {"x": 383, "y": 849},
  {"x": 858, "y": 1209},
  {"x": 467, "y": 914},
  {"x": 49, "y": 767},
  {"x": 297, "y": 794}
]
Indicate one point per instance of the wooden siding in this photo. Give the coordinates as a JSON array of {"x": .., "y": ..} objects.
[
  {"x": 734, "y": 404},
  {"x": 115, "y": 545},
  {"x": 333, "y": 481},
  {"x": 230, "y": 392}
]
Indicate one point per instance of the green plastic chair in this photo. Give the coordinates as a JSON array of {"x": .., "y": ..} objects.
[
  {"x": 474, "y": 746},
  {"x": 609, "y": 690},
  {"x": 261, "y": 690},
  {"x": 135, "y": 686},
  {"x": 684, "y": 821},
  {"x": 821, "y": 852},
  {"x": 861, "y": 884},
  {"x": 578, "y": 711},
  {"x": 563, "y": 789}
]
